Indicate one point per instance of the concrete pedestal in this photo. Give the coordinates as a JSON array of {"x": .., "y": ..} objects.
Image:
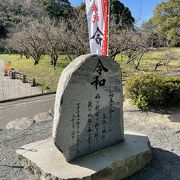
[{"x": 115, "y": 162}]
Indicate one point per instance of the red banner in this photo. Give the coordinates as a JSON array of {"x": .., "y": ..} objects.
[{"x": 105, "y": 5}]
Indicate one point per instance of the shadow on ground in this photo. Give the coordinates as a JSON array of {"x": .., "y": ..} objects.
[{"x": 165, "y": 165}]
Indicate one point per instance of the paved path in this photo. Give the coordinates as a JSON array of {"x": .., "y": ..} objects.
[
  {"x": 1, "y": 67},
  {"x": 25, "y": 108},
  {"x": 20, "y": 108},
  {"x": 13, "y": 88}
]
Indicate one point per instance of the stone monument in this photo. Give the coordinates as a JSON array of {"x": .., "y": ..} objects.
[
  {"x": 88, "y": 108},
  {"x": 88, "y": 135}
]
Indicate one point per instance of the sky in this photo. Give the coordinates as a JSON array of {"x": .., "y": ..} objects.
[{"x": 142, "y": 10}]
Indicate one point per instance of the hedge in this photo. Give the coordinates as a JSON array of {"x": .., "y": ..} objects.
[{"x": 153, "y": 91}]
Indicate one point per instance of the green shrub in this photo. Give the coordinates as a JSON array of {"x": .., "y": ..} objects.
[{"x": 153, "y": 91}]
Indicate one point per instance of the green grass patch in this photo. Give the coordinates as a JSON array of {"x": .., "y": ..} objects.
[
  {"x": 149, "y": 61},
  {"x": 48, "y": 78},
  {"x": 44, "y": 73}
]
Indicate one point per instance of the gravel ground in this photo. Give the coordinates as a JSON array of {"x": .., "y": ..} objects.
[{"x": 163, "y": 131}]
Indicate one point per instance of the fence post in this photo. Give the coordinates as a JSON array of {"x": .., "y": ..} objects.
[
  {"x": 33, "y": 82},
  {"x": 24, "y": 78}
]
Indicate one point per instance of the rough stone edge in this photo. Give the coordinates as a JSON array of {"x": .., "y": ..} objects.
[
  {"x": 123, "y": 168},
  {"x": 34, "y": 169}
]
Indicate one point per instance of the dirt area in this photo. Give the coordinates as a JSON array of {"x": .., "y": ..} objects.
[{"x": 163, "y": 130}]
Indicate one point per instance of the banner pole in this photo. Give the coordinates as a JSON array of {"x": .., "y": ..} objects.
[{"x": 108, "y": 26}]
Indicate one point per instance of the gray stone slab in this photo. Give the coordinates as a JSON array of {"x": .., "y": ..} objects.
[
  {"x": 20, "y": 124},
  {"x": 44, "y": 116},
  {"x": 115, "y": 162},
  {"x": 88, "y": 108}
]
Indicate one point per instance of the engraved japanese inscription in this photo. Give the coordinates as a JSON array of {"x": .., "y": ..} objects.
[{"x": 88, "y": 108}]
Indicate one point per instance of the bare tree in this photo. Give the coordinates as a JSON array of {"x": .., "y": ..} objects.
[
  {"x": 168, "y": 57},
  {"x": 138, "y": 45},
  {"x": 132, "y": 42},
  {"x": 29, "y": 41},
  {"x": 76, "y": 40},
  {"x": 38, "y": 38},
  {"x": 53, "y": 39}
]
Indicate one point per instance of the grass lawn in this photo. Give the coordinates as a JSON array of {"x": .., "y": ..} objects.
[
  {"x": 149, "y": 61},
  {"x": 48, "y": 78},
  {"x": 44, "y": 73}
]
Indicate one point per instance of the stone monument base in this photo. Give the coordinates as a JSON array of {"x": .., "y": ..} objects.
[{"x": 115, "y": 162}]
